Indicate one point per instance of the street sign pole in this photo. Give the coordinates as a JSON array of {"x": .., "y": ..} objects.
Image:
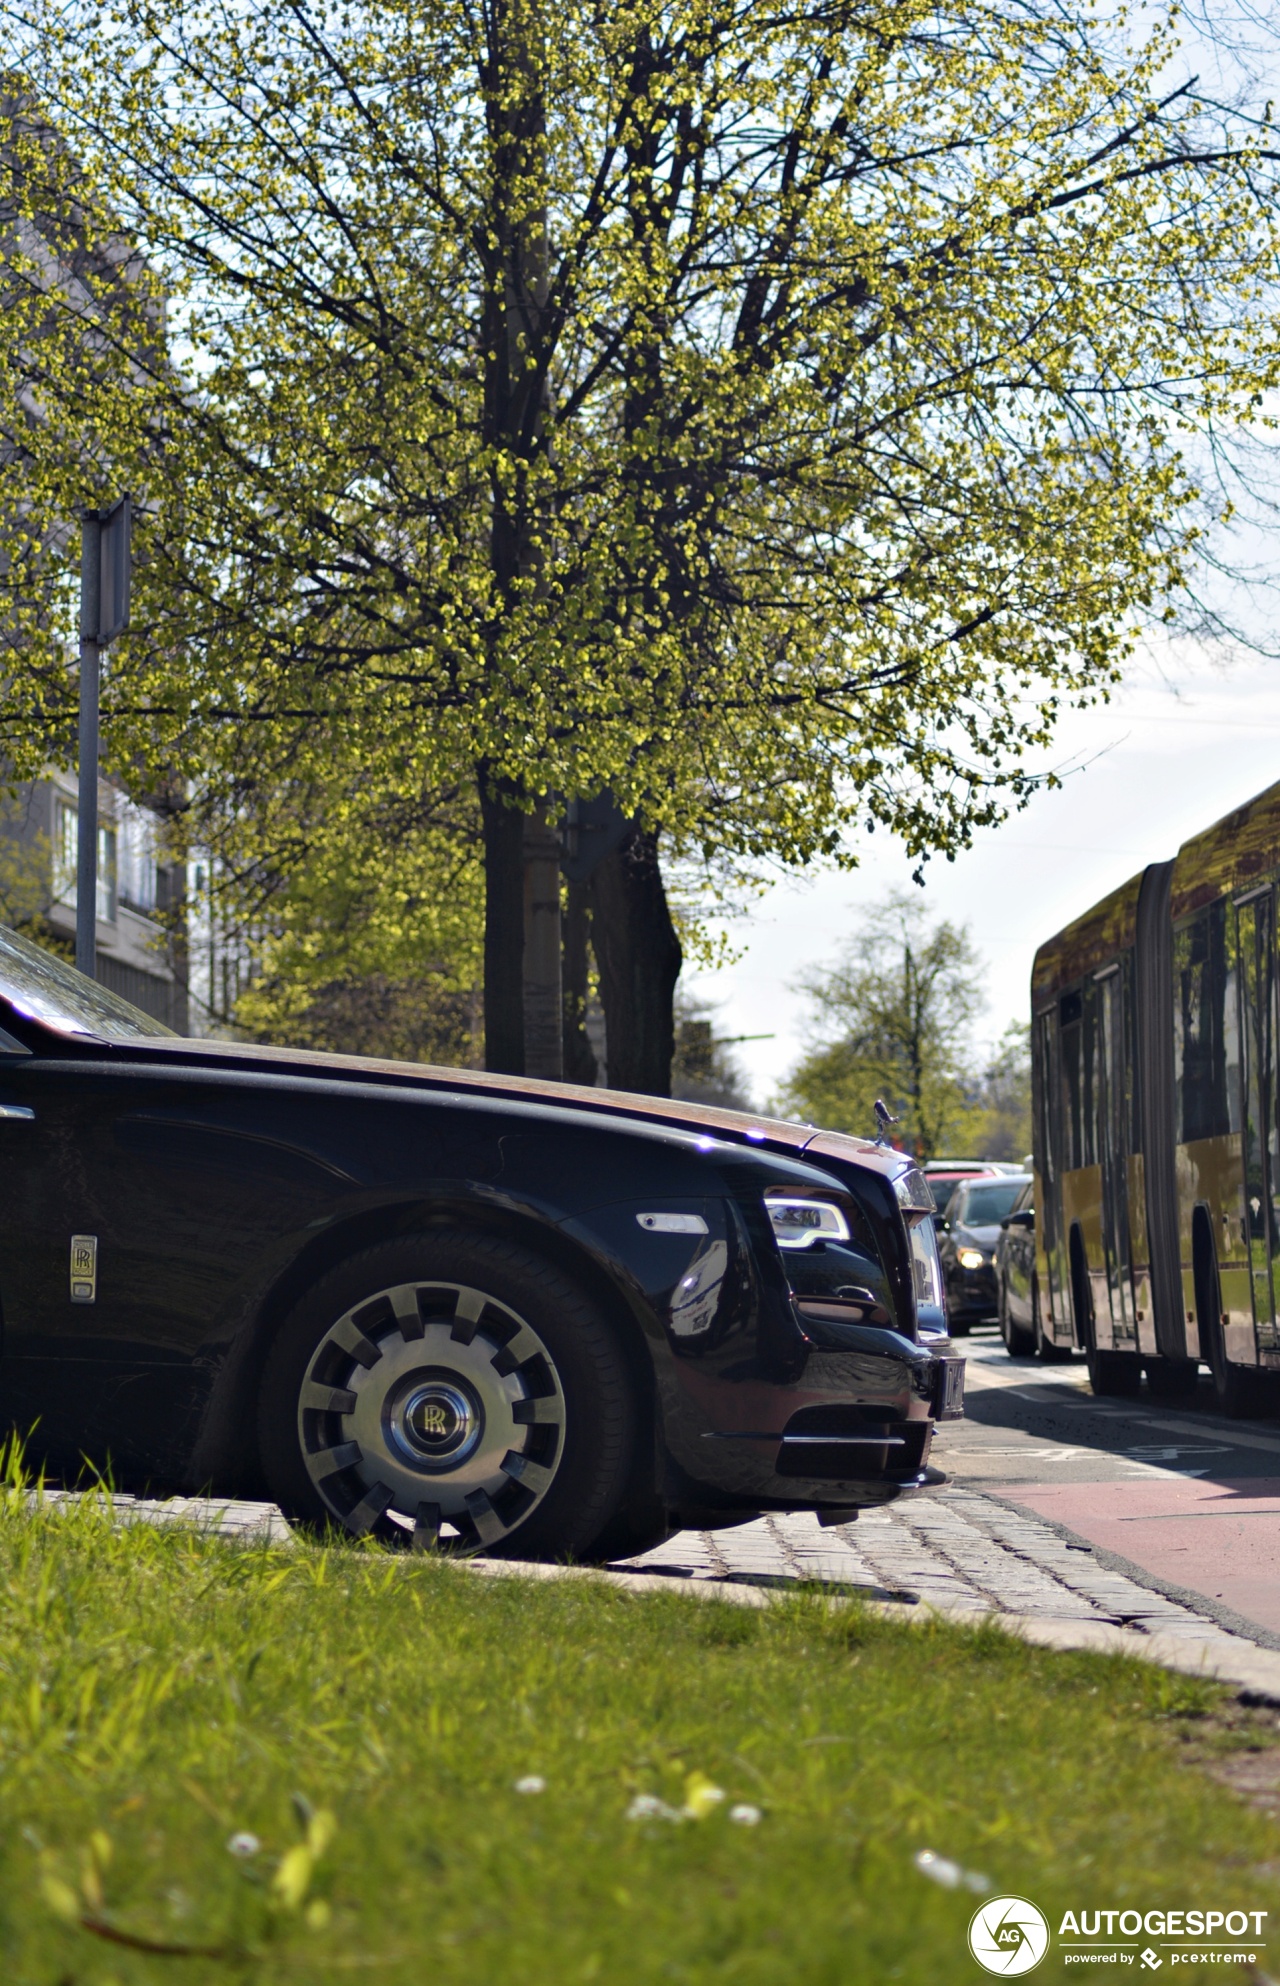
[
  {"x": 90, "y": 665},
  {"x": 105, "y": 571}
]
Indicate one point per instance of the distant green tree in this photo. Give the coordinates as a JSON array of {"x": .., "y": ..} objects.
[
  {"x": 1003, "y": 1128},
  {"x": 894, "y": 1019}
]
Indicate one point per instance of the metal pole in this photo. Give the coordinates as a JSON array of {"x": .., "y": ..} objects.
[{"x": 87, "y": 825}]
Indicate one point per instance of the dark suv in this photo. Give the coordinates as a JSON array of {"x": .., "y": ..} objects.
[{"x": 970, "y": 1231}]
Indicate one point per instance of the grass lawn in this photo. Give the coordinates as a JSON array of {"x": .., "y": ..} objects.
[{"x": 364, "y": 1720}]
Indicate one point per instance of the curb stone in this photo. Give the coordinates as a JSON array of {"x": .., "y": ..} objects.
[
  {"x": 1028, "y": 1558},
  {"x": 1217, "y": 1657}
]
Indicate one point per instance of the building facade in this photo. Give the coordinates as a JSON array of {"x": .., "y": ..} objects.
[{"x": 141, "y": 898}]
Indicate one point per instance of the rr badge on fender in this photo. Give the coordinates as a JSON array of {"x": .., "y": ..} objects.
[{"x": 84, "y": 1268}]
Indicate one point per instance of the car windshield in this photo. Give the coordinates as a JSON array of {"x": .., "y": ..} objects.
[
  {"x": 983, "y": 1206},
  {"x": 45, "y": 988},
  {"x": 942, "y": 1188}
]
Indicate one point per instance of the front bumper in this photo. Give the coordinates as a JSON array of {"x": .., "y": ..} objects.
[
  {"x": 855, "y": 1428},
  {"x": 767, "y": 1398},
  {"x": 971, "y": 1293}
]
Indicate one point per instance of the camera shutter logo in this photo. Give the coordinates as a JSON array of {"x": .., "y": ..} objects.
[{"x": 1008, "y": 1936}]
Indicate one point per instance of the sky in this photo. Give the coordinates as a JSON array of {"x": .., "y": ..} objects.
[{"x": 1179, "y": 745}]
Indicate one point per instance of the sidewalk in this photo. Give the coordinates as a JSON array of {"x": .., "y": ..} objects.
[{"x": 952, "y": 1548}]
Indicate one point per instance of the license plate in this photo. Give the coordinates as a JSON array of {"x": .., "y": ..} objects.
[{"x": 949, "y": 1389}]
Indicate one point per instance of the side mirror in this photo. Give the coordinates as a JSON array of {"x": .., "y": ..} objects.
[{"x": 1025, "y": 1217}]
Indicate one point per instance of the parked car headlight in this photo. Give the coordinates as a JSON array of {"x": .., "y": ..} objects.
[
  {"x": 970, "y": 1258},
  {"x": 799, "y": 1223}
]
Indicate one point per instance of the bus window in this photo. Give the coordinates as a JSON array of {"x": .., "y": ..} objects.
[
  {"x": 1077, "y": 1081},
  {"x": 1047, "y": 1092},
  {"x": 1204, "y": 1029},
  {"x": 1110, "y": 1003},
  {"x": 1256, "y": 978}
]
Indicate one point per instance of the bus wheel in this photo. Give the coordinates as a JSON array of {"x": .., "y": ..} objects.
[
  {"x": 1237, "y": 1389},
  {"x": 1172, "y": 1378},
  {"x": 1115, "y": 1374}
]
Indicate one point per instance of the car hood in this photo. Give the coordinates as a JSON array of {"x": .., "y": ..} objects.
[
  {"x": 738, "y": 1126},
  {"x": 978, "y": 1237}
]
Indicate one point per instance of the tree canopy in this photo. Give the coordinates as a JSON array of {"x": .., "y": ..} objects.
[{"x": 768, "y": 414}]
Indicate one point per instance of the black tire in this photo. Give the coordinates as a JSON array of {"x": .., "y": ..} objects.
[
  {"x": 1115, "y": 1375},
  {"x": 636, "y": 1529},
  {"x": 1018, "y": 1342},
  {"x": 526, "y": 1366},
  {"x": 1172, "y": 1378}
]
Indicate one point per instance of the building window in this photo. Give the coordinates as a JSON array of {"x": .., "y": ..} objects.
[
  {"x": 137, "y": 859},
  {"x": 64, "y": 853},
  {"x": 65, "y": 839},
  {"x": 106, "y": 906}
]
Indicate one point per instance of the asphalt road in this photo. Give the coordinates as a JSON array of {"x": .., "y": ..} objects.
[{"x": 1186, "y": 1495}]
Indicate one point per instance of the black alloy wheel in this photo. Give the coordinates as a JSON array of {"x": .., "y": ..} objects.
[
  {"x": 1019, "y": 1343},
  {"x": 452, "y": 1389}
]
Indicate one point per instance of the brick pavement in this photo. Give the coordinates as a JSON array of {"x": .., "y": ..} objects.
[{"x": 952, "y": 1549}]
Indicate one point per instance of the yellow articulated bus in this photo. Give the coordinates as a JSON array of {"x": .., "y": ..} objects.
[{"x": 1157, "y": 1138}]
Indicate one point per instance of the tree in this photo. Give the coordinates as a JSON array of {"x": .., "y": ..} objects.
[
  {"x": 369, "y": 940},
  {"x": 1003, "y": 1129},
  {"x": 894, "y": 1020},
  {"x": 769, "y": 415}
]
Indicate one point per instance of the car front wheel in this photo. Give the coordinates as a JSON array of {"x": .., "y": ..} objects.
[
  {"x": 1018, "y": 1342},
  {"x": 455, "y": 1389}
]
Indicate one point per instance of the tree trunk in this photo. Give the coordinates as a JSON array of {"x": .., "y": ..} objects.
[
  {"x": 579, "y": 1056},
  {"x": 522, "y": 908},
  {"x": 543, "y": 1001},
  {"x": 503, "y": 927},
  {"x": 638, "y": 955}
]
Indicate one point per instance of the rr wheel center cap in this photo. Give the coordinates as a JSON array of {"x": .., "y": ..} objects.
[{"x": 435, "y": 1420}]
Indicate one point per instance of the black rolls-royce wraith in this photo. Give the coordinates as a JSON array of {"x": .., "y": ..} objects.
[{"x": 437, "y": 1304}]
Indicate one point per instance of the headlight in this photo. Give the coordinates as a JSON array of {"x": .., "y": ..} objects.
[
  {"x": 970, "y": 1258},
  {"x": 799, "y": 1223},
  {"x": 912, "y": 1191}
]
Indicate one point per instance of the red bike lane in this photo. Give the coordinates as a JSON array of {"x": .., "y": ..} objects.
[{"x": 1220, "y": 1539}]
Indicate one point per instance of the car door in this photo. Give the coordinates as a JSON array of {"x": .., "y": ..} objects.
[
  {"x": 143, "y": 1208},
  {"x": 1018, "y": 1250}
]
